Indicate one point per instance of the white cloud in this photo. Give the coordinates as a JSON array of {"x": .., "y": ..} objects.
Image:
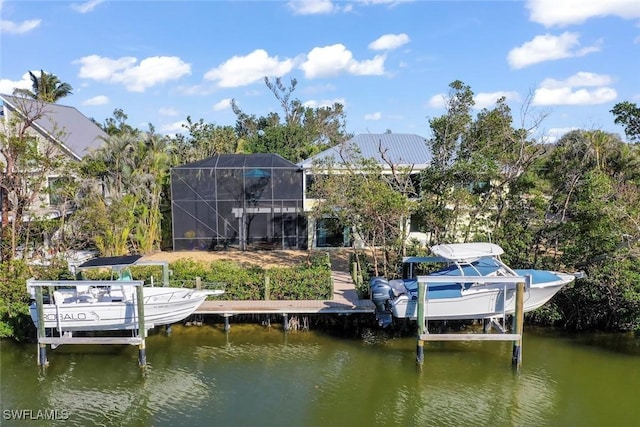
[
  {"x": 548, "y": 47},
  {"x": 488, "y": 99},
  {"x": 333, "y": 60},
  {"x": 313, "y": 103},
  {"x": 581, "y": 78},
  {"x": 554, "y": 134},
  {"x": 373, "y": 116},
  {"x": 97, "y": 100},
  {"x": 389, "y": 42},
  {"x": 324, "y": 7},
  {"x": 580, "y": 89},
  {"x": 7, "y": 86},
  {"x": 136, "y": 78},
  {"x": 175, "y": 127},
  {"x": 438, "y": 101},
  {"x": 566, "y": 12},
  {"x": 568, "y": 96},
  {"x": 86, "y": 6},
  {"x": 168, "y": 111},
  {"x": 312, "y": 7},
  {"x": 223, "y": 104},
  {"x": 244, "y": 70},
  {"x": 11, "y": 27},
  {"x": 196, "y": 90}
]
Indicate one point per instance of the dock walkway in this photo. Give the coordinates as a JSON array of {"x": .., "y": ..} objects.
[{"x": 345, "y": 301}]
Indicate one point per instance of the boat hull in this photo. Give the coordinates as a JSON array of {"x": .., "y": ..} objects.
[
  {"x": 491, "y": 301},
  {"x": 162, "y": 306}
]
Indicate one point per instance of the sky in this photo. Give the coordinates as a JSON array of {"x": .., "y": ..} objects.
[{"x": 562, "y": 63}]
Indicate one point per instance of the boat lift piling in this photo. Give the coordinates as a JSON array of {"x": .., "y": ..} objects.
[
  {"x": 42, "y": 348},
  {"x": 518, "y": 325},
  {"x": 142, "y": 331},
  {"x": 521, "y": 284}
]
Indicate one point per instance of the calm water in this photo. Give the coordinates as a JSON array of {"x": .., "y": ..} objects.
[{"x": 261, "y": 377}]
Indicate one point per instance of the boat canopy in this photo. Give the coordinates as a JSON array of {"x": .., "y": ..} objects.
[
  {"x": 466, "y": 252},
  {"x": 121, "y": 265},
  {"x": 114, "y": 262}
]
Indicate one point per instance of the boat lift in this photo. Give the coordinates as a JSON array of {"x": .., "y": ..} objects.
[
  {"x": 120, "y": 270},
  {"x": 521, "y": 283},
  {"x": 67, "y": 338}
]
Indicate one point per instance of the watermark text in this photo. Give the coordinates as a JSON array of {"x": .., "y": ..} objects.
[{"x": 35, "y": 414}]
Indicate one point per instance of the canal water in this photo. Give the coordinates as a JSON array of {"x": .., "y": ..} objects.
[{"x": 258, "y": 376}]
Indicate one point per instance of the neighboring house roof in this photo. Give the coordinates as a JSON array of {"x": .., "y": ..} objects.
[
  {"x": 65, "y": 125},
  {"x": 233, "y": 161},
  {"x": 401, "y": 149}
]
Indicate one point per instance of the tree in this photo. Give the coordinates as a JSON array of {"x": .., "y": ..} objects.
[
  {"x": 117, "y": 125},
  {"x": 121, "y": 209},
  {"x": 593, "y": 225},
  {"x": 26, "y": 161},
  {"x": 47, "y": 88},
  {"x": 204, "y": 140},
  {"x": 374, "y": 203},
  {"x": 298, "y": 135},
  {"x": 437, "y": 180},
  {"x": 628, "y": 115}
]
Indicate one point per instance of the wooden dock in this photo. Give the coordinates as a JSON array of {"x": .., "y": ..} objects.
[{"x": 345, "y": 301}]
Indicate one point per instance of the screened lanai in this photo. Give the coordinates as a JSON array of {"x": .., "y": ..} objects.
[{"x": 242, "y": 201}]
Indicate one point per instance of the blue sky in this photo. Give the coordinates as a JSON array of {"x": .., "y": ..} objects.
[{"x": 389, "y": 62}]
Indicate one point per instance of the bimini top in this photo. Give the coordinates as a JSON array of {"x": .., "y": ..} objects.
[{"x": 466, "y": 252}]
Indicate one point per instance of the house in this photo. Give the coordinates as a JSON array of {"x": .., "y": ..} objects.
[
  {"x": 261, "y": 201},
  {"x": 405, "y": 153},
  {"x": 241, "y": 201},
  {"x": 59, "y": 131}
]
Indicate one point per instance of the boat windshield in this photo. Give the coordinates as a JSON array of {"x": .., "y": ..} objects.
[{"x": 481, "y": 267}]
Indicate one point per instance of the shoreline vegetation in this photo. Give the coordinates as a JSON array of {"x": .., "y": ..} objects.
[{"x": 292, "y": 275}]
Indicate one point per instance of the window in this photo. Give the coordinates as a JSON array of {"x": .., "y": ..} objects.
[
  {"x": 330, "y": 233},
  {"x": 58, "y": 189}
]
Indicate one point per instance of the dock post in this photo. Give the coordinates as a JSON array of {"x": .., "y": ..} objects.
[
  {"x": 354, "y": 272},
  {"x": 198, "y": 283},
  {"x": 165, "y": 274},
  {"x": 142, "y": 332},
  {"x": 285, "y": 322},
  {"x": 227, "y": 326},
  {"x": 42, "y": 348},
  {"x": 142, "y": 354},
  {"x": 518, "y": 325},
  {"x": 421, "y": 322}
]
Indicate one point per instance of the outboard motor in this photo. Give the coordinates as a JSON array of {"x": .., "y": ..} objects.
[{"x": 381, "y": 295}]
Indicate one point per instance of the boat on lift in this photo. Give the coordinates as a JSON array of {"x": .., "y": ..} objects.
[
  {"x": 475, "y": 296},
  {"x": 108, "y": 305}
]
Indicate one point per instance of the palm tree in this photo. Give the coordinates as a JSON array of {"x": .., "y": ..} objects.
[{"x": 47, "y": 88}]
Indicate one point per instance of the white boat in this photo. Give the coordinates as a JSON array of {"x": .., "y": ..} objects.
[
  {"x": 105, "y": 305},
  {"x": 478, "y": 297}
]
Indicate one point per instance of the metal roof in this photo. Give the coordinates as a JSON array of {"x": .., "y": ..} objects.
[
  {"x": 64, "y": 125},
  {"x": 236, "y": 161},
  {"x": 400, "y": 148}
]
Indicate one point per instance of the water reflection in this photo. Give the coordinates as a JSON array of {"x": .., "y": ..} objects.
[
  {"x": 257, "y": 376},
  {"x": 126, "y": 396}
]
